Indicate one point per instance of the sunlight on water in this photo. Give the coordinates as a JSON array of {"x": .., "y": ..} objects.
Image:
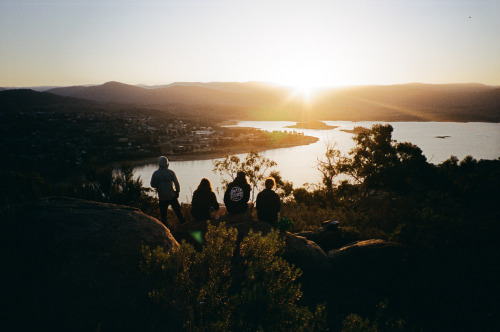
[{"x": 438, "y": 141}]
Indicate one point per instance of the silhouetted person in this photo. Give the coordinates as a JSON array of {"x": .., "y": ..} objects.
[
  {"x": 204, "y": 202},
  {"x": 164, "y": 180},
  {"x": 237, "y": 195},
  {"x": 268, "y": 203}
]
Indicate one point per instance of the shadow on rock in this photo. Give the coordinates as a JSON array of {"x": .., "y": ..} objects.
[{"x": 74, "y": 265}]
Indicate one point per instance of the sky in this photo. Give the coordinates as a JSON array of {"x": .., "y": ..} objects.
[{"x": 293, "y": 42}]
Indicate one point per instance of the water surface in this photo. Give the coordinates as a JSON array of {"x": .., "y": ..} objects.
[{"x": 438, "y": 141}]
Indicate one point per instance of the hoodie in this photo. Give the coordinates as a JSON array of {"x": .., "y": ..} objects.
[{"x": 164, "y": 180}]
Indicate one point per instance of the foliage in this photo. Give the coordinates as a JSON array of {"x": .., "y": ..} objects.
[
  {"x": 118, "y": 187},
  {"x": 255, "y": 166},
  {"x": 445, "y": 215},
  {"x": 283, "y": 188},
  {"x": 284, "y": 224},
  {"x": 376, "y": 163},
  {"x": 17, "y": 188},
  {"x": 381, "y": 323},
  {"x": 226, "y": 288},
  {"x": 329, "y": 166}
]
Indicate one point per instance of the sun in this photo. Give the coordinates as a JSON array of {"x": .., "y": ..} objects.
[
  {"x": 301, "y": 89},
  {"x": 303, "y": 85}
]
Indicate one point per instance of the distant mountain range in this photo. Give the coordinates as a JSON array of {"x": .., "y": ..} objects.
[{"x": 255, "y": 100}]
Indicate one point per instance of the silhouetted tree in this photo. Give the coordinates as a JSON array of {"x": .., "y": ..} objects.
[{"x": 255, "y": 166}]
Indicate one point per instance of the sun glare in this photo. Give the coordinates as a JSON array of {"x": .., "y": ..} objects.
[
  {"x": 302, "y": 90},
  {"x": 303, "y": 87}
]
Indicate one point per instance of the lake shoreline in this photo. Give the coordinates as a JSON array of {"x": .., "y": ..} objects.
[{"x": 221, "y": 153}]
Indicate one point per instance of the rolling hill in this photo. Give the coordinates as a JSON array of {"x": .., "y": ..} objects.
[
  {"x": 219, "y": 94},
  {"x": 260, "y": 101}
]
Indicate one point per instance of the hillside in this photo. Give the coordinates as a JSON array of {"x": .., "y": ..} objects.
[
  {"x": 260, "y": 101},
  {"x": 19, "y": 100},
  {"x": 217, "y": 94},
  {"x": 412, "y": 102}
]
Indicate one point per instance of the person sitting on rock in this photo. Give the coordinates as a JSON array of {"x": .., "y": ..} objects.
[
  {"x": 268, "y": 203},
  {"x": 237, "y": 195},
  {"x": 204, "y": 203}
]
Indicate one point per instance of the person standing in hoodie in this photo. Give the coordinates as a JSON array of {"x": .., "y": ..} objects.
[{"x": 167, "y": 186}]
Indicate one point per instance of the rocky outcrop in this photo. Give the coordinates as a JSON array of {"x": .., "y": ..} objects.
[
  {"x": 365, "y": 273},
  {"x": 307, "y": 255},
  {"x": 330, "y": 236},
  {"x": 74, "y": 265}
]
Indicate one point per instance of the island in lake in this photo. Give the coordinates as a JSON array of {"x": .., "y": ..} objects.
[
  {"x": 356, "y": 130},
  {"x": 312, "y": 125}
]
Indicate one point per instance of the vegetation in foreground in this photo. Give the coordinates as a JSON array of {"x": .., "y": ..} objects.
[
  {"x": 229, "y": 286},
  {"x": 446, "y": 216}
]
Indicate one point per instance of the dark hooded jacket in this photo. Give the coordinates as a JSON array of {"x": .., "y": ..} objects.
[
  {"x": 164, "y": 180},
  {"x": 237, "y": 195}
]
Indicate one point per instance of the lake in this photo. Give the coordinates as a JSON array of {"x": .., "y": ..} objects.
[{"x": 438, "y": 141}]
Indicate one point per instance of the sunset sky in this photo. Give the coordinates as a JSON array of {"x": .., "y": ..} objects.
[{"x": 294, "y": 42}]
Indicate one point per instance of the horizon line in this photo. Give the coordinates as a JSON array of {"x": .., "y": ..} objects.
[{"x": 284, "y": 85}]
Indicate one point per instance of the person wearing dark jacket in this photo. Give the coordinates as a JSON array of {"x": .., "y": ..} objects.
[
  {"x": 268, "y": 203},
  {"x": 204, "y": 201},
  {"x": 237, "y": 195},
  {"x": 164, "y": 180}
]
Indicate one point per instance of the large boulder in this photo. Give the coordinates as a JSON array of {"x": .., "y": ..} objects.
[
  {"x": 329, "y": 238},
  {"x": 365, "y": 273},
  {"x": 307, "y": 255},
  {"x": 74, "y": 265},
  {"x": 315, "y": 265}
]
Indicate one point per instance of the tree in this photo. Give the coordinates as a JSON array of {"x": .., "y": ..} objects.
[
  {"x": 376, "y": 162},
  {"x": 255, "y": 166},
  {"x": 114, "y": 186},
  {"x": 329, "y": 166},
  {"x": 374, "y": 152}
]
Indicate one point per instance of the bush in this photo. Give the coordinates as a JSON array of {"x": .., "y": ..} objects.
[
  {"x": 382, "y": 322},
  {"x": 228, "y": 287}
]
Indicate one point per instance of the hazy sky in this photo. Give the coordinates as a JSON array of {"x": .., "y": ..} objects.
[{"x": 310, "y": 42}]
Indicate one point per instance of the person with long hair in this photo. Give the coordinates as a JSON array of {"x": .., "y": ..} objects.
[{"x": 204, "y": 202}]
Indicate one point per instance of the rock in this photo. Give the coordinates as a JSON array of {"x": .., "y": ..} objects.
[
  {"x": 74, "y": 265},
  {"x": 365, "y": 273},
  {"x": 314, "y": 263},
  {"x": 329, "y": 238},
  {"x": 372, "y": 252},
  {"x": 329, "y": 225},
  {"x": 307, "y": 255}
]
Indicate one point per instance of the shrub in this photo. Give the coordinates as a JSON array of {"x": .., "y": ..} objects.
[
  {"x": 382, "y": 322},
  {"x": 225, "y": 287}
]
